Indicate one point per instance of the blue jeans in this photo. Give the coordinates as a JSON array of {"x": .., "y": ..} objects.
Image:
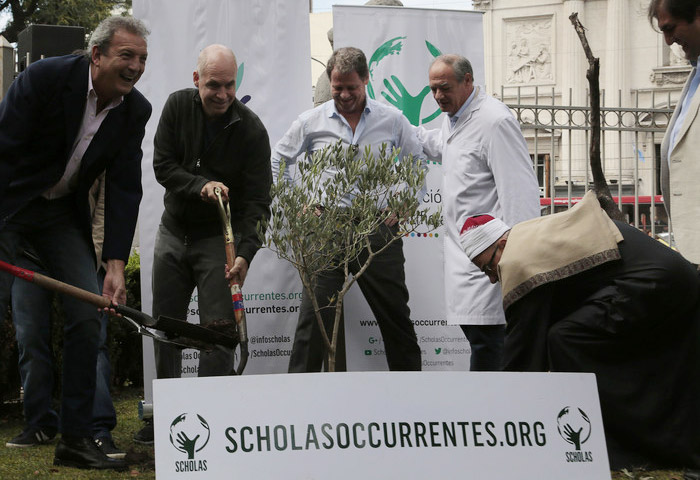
[
  {"x": 31, "y": 310},
  {"x": 52, "y": 229},
  {"x": 104, "y": 417}
]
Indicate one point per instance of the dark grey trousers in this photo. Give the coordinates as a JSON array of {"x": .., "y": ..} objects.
[
  {"x": 383, "y": 285},
  {"x": 180, "y": 265}
]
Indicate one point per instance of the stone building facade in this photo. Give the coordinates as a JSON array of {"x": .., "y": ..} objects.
[{"x": 534, "y": 56}]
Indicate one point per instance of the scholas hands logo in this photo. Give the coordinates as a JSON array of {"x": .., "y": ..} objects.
[
  {"x": 395, "y": 92},
  {"x": 239, "y": 80},
  {"x": 574, "y": 426},
  {"x": 189, "y": 433}
]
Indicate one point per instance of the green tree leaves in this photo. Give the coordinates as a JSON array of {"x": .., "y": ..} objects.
[
  {"x": 339, "y": 198},
  {"x": 81, "y": 13}
]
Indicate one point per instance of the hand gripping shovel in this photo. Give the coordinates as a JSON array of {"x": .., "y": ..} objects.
[
  {"x": 234, "y": 284},
  {"x": 179, "y": 333}
]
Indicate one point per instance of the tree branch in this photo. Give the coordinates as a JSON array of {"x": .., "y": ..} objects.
[{"x": 600, "y": 185}]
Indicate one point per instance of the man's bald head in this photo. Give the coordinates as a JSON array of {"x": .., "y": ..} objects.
[
  {"x": 215, "y": 78},
  {"x": 214, "y": 54}
]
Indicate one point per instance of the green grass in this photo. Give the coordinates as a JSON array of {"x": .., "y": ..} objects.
[{"x": 37, "y": 462}]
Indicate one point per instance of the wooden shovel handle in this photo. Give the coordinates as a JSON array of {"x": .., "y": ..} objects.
[{"x": 56, "y": 285}]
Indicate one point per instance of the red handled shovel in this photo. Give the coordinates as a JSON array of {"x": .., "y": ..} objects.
[
  {"x": 234, "y": 284},
  {"x": 177, "y": 332}
]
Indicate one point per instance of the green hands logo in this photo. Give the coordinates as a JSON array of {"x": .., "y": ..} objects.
[
  {"x": 396, "y": 93},
  {"x": 239, "y": 81},
  {"x": 189, "y": 433},
  {"x": 574, "y": 426},
  {"x": 239, "y": 75}
]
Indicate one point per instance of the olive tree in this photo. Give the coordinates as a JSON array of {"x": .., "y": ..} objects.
[{"x": 312, "y": 229}]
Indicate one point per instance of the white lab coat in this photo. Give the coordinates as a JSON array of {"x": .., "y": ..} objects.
[{"x": 486, "y": 169}]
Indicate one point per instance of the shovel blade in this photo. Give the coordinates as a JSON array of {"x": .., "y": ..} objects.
[{"x": 179, "y": 328}]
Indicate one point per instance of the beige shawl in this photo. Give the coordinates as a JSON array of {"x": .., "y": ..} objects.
[{"x": 550, "y": 248}]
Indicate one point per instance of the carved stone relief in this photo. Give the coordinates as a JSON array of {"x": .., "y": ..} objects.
[
  {"x": 641, "y": 7},
  {"x": 481, "y": 5},
  {"x": 529, "y": 47},
  {"x": 677, "y": 55},
  {"x": 670, "y": 76}
]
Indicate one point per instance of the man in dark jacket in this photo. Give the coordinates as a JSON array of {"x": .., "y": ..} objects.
[
  {"x": 206, "y": 139},
  {"x": 63, "y": 122}
]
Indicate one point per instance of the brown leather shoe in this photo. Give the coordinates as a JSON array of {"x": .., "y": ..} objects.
[{"x": 81, "y": 452}]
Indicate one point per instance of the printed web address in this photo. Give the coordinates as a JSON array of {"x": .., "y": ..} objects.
[{"x": 416, "y": 323}]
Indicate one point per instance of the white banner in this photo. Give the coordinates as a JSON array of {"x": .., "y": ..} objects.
[
  {"x": 400, "y": 43},
  {"x": 271, "y": 41},
  {"x": 398, "y": 425}
]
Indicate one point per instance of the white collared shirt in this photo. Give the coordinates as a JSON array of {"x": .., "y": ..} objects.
[
  {"x": 685, "y": 104},
  {"x": 88, "y": 128},
  {"x": 322, "y": 126},
  {"x": 455, "y": 118}
]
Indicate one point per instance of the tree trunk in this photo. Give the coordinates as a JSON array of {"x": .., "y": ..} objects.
[{"x": 600, "y": 185}]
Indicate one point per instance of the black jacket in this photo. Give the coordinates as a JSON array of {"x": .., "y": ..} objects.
[
  {"x": 39, "y": 119},
  {"x": 238, "y": 157}
]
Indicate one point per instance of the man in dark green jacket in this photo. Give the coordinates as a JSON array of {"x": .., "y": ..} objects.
[{"x": 206, "y": 138}]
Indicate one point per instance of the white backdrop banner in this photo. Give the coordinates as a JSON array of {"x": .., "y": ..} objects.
[
  {"x": 400, "y": 43},
  {"x": 398, "y": 425},
  {"x": 271, "y": 41}
]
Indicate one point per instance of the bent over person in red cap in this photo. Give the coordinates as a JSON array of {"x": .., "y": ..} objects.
[{"x": 583, "y": 293}]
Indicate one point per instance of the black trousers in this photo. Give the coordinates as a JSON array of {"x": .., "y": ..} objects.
[
  {"x": 383, "y": 285},
  {"x": 486, "y": 342}
]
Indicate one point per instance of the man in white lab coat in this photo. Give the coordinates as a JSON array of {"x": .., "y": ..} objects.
[{"x": 486, "y": 168}]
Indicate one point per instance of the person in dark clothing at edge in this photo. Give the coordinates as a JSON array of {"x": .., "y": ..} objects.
[{"x": 583, "y": 293}]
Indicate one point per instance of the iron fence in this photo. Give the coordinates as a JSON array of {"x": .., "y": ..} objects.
[{"x": 558, "y": 137}]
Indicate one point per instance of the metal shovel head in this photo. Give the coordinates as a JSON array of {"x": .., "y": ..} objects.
[{"x": 179, "y": 328}]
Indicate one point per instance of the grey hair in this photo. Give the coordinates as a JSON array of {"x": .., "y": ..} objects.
[
  {"x": 460, "y": 65},
  {"x": 102, "y": 35},
  {"x": 348, "y": 60}
]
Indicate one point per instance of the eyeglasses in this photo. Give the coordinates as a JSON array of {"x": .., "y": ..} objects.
[{"x": 488, "y": 269}]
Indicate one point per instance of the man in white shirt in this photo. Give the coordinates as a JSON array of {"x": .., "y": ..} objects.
[
  {"x": 486, "y": 168},
  {"x": 356, "y": 120}
]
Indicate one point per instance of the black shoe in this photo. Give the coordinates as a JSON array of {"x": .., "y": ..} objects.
[
  {"x": 81, "y": 452},
  {"x": 30, "y": 437},
  {"x": 145, "y": 435},
  {"x": 106, "y": 444}
]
